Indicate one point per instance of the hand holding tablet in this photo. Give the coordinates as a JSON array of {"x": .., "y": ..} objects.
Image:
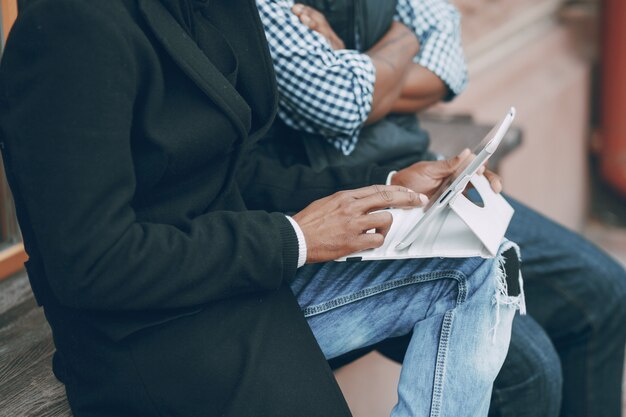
[
  {"x": 450, "y": 225},
  {"x": 456, "y": 183}
]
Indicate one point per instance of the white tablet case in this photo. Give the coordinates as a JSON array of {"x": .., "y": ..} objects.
[{"x": 460, "y": 230}]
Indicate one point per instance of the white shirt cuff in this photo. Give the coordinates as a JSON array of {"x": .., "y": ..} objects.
[
  {"x": 391, "y": 174},
  {"x": 301, "y": 242}
]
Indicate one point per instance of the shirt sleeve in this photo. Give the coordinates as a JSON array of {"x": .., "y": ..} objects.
[
  {"x": 437, "y": 25},
  {"x": 302, "y": 249},
  {"x": 320, "y": 90}
]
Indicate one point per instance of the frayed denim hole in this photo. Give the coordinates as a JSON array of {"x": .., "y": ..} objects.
[
  {"x": 510, "y": 263},
  {"x": 509, "y": 282}
]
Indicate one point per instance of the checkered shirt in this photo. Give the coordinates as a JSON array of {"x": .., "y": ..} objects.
[
  {"x": 437, "y": 25},
  {"x": 330, "y": 92}
]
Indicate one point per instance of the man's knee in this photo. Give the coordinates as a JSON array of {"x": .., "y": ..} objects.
[
  {"x": 530, "y": 382},
  {"x": 612, "y": 276},
  {"x": 602, "y": 296}
]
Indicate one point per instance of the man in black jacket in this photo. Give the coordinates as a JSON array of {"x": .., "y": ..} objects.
[{"x": 156, "y": 235}]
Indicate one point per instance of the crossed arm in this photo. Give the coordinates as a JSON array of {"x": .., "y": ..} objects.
[
  {"x": 392, "y": 57},
  {"x": 329, "y": 90}
]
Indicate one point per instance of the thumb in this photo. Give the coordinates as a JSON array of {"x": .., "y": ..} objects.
[{"x": 442, "y": 169}]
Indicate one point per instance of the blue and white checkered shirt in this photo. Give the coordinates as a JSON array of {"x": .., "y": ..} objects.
[{"x": 330, "y": 92}]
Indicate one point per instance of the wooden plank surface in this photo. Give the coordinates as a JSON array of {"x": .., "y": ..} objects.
[{"x": 27, "y": 386}]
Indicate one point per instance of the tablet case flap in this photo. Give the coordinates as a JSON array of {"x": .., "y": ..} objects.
[{"x": 488, "y": 223}]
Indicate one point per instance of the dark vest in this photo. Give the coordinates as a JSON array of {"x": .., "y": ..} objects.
[{"x": 359, "y": 23}]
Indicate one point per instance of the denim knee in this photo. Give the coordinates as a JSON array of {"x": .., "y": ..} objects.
[{"x": 531, "y": 381}]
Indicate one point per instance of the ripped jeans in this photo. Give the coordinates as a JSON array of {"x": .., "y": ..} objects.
[{"x": 458, "y": 310}]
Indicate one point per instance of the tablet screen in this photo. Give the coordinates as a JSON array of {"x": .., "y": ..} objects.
[{"x": 438, "y": 196}]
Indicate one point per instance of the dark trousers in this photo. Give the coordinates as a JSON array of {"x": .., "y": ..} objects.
[{"x": 566, "y": 357}]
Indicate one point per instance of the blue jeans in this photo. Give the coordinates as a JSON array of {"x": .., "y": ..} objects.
[
  {"x": 566, "y": 356},
  {"x": 458, "y": 311}
]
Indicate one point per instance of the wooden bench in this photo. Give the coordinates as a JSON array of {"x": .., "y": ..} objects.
[{"x": 27, "y": 386}]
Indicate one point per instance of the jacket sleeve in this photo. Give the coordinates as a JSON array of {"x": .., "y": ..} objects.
[
  {"x": 68, "y": 90},
  {"x": 266, "y": 184}
]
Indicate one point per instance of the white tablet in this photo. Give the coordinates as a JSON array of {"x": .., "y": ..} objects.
[{"x": 457, "y": 182}]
